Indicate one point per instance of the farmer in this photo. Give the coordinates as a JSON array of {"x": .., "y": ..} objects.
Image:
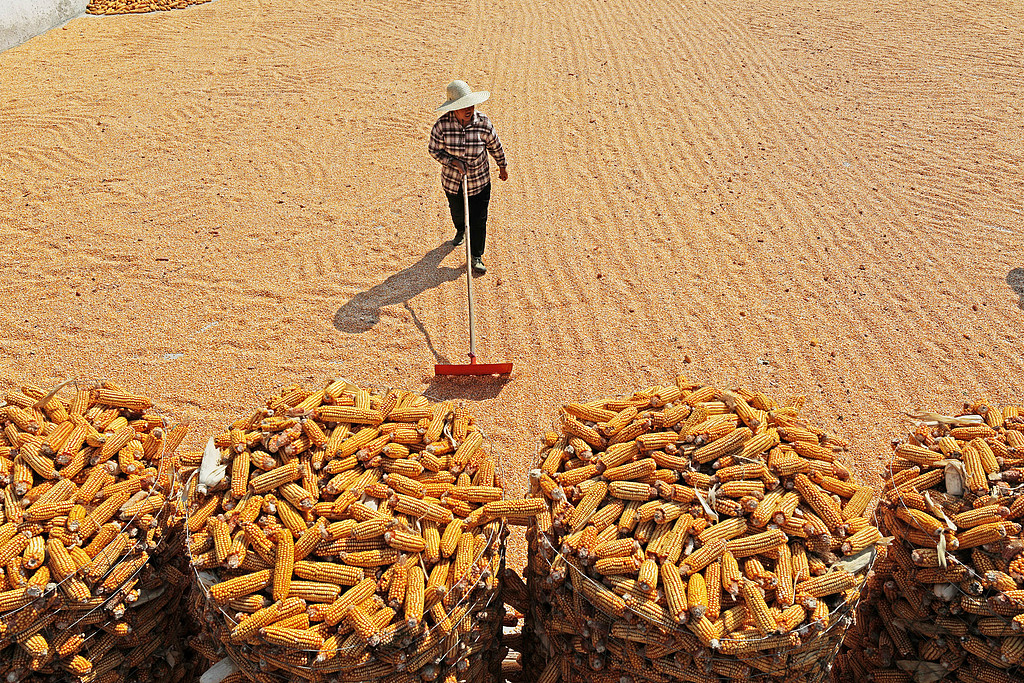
[{"x": 460, "y": 141}]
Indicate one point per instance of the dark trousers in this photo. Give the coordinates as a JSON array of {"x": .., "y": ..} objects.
[{"x": 477, "y": 217}]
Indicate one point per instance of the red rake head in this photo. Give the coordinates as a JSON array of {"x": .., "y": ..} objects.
[{"x": 474, "y": 368}]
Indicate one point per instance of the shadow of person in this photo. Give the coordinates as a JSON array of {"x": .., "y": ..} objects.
[
  {"x": 1015, "y": 278},
  {"x": 362, "y": 311}
]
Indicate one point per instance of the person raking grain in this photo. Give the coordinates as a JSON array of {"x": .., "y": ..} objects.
[{"x": 460, "y": 141}]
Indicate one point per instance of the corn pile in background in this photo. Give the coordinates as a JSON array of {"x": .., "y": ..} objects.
[
  {"x": 691, "y": 535},
  {"x": 137, "y": 6},
  {"x": 947, "y": 600},
  {"x": 92, "y": 567},
  {"x": 347, "y": 536}
]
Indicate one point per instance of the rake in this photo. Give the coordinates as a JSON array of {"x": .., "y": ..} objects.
[{"x": 472, "y": 367}]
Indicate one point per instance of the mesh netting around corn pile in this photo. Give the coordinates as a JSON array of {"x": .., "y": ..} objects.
[
  {"x": 692, "y": 535},
  {"x": 946, "y": 601},
  {"x": 338, "y": 534},
  {"x": 92, "y": 559}
]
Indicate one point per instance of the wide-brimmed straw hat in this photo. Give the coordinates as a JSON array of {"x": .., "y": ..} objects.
[{"x": 461, "y": 96}]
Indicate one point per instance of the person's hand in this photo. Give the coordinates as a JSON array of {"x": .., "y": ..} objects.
[
  {"x": 458, "y": 166},
  {"x": 502, "y": 173}
]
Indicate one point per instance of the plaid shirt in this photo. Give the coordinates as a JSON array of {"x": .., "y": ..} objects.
[{"x": 450, "y": 141}]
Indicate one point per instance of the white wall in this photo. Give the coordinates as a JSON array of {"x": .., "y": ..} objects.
[{"x": 23, "y": 19}]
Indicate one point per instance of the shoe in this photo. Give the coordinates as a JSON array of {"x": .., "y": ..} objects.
[
  {"x": 478, "y": 265},
  {"x": 458, "y": 239}
]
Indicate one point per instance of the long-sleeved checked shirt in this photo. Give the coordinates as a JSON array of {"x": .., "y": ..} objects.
[{"x": 450, "y": 141}]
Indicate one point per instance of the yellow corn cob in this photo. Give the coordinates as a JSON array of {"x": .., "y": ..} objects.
[
  {"x": 122, "y": 573},
  {"x": 827, "y": 584},
  {"x": 370, "y": 558},
  {"x": 981, "y": 535},
  {"x": 755, "y": 544},
  {"x": 708, "y": 553},
  {"x": 353, "y": 596},
  {"x": 337, "y": 574},
  {"x": 648, "y": 575},
  {"x": 517, "y": 508},
  {"x": 820, "y": 502},
  {"x": 736, "y": 645},
  {"x": 618, "y": 565},
  {"x": 404, "y": 485},
  {"x": 858, "y": 503},
  {"x": 415, "y": 507},
  {"x": 371, "y": 528},
  {"x": 240, "y": 586},
  {"x": 709, "y": 633},
  {"x": 14, "y": 599},
  {"x": 971, "y": 518},
  {"x": 763, "y": 618},
  {"x": 314, "y": 591},
  {"x": 725, "y": 530},
  {"x": 675, "y": 592},
  {"x": 723, "y": 445},
  {"x": 861, "y": 540},
  {"x": 741, "y": 488},
  {"x": 34, "y": 553},
  {"x": 405, "y": 541},
  {"x": 299, "y": 639},
  {"x": 348, "y": 415},
  {"x": 696, "y": 596},
  {"x": 268, "y": 481},
  {"x": 713, "y": 582},
  {"x": 588, "y": 505},
  {"x": 976, "y": 479},
  {"x": 603, "y": 598},
  {"x": 414, "y": 596}
]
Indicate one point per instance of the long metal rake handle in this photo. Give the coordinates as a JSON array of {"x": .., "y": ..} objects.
[{"x": 469, "y": 266}]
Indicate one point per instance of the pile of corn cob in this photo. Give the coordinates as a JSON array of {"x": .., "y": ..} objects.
[
  {"x": 947, "y": 599},
  {"x": 343, "y": 534},
  {"x": 137, "y": 6},
  {"x": 692, "y": 535},
  {"x": 92, "y": 567}
]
